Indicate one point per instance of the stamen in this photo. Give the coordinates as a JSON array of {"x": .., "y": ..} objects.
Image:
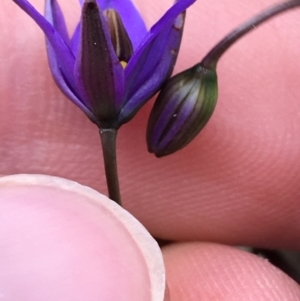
[
  {"x": 124, "y": 64},
  {"x": 119, "y": 36}
]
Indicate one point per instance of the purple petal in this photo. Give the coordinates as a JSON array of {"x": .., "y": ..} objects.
[
  {"x": 98, "y": 69},
  {"x": 54, "y": 16},
  {"x": 61, "y": 59},
  {"x": 75, "y": 40},
  {"x": 75, "y": 46},
  {"x": 151, "y": 72},
  {"x": 131, "y": 18},
  {"x": 154, "y": 61},
  {"x": 65, "y": 58},
  {"x": 63, "y": 85}
]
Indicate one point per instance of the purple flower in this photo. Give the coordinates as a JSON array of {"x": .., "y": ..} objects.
[{"x": 112, "y": 65}]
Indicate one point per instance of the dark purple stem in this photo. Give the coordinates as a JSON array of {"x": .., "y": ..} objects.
[
  {"x": 108, "y": 140},
  {"x": 211, "y": 59}
]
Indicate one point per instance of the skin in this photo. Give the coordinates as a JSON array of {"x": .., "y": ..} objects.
[{"x": 237, "y": 183}]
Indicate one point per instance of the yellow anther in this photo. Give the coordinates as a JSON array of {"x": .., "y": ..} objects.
[{"x": 124, "y": 64}]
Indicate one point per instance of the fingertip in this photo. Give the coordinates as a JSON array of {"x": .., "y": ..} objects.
[
  {"x": 203, "y": 271},
  {"x": 61, "y": 240}
]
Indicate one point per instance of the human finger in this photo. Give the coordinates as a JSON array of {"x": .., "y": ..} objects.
[
  {"x": 62, "y": 241},
  {"x": 203, "y": 271}
]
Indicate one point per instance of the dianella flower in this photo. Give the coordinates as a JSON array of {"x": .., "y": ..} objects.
[{"x": 111, "y": 65}]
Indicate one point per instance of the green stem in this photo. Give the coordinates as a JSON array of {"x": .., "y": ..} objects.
[
  {"x": 108, "y": 140},
  {"x": 211, "y": 59}
]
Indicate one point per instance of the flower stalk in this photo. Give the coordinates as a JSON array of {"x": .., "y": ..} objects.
[
  {"x": 211, "y": 59},
  {"x": 108, "y": 140}
]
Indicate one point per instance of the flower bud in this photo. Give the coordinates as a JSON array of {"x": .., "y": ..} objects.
[{"x": 182, "y": 109}]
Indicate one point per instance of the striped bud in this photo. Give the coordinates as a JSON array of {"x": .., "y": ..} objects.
[
  {"x": 182, "y": 109},
  {"x": 119, "y": 36}
]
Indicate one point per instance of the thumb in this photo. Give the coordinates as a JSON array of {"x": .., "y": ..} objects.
[{"x": 62, "y": 241}]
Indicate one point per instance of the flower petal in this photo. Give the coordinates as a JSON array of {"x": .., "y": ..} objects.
[
  {"x": 152, "y": 69},
  {"x": 98, "y": 68},
  {"x": 64, "y": 56},
  {"x": 75, "y": 40},
  {"x": 154, "y": 61},
  {"x": 54, "y": 16},
  {"x": 63, "y": 85},
  {"x": 60, "y": 57},
  {"x": 130, "y": 16}
]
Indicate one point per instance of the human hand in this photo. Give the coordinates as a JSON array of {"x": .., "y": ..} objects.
[{"x": 236, "y": 184}]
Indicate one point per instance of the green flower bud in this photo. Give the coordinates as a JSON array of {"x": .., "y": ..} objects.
[{"x": 182, "y": 109}]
